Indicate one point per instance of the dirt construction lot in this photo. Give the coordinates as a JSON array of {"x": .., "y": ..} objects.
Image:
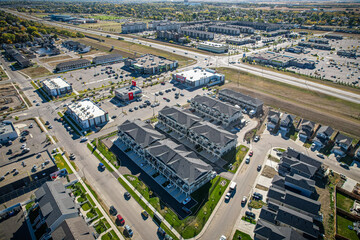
[
  {"x": 321, "y": 108},
  {"x": 9, "y": 98}
]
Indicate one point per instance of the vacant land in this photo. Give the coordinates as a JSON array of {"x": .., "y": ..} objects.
[
  {"x": 3, "y": 75},
  {"x": 104, "y": 26},
  {"x": 57, "y": 58},
  {"x": 268, "y": 172},
  {"x": 261, "y": 187},
  {"x": 128, "y": 49},
  {"x": 318, "y": 107},
  {"x": 9, "y": 99},
  {"x": 36, "y": 71}
]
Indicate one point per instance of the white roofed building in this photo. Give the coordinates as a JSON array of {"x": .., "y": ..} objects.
[
  {"x": 213, "y": 47},
  {"x": 56, "y": 87},
  {"x": 199, "y": 77},
  {"x": 87, "y": 114}
]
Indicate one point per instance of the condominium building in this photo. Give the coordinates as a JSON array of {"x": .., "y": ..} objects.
[
  {"x": 150, "y": 64},
  {"x": 87, "y": 114},
  {"x": 248, "y": 30},
  {"x": 242, "y": 100},
  {"x": 179, "y": 166},
  {"x": 72, "y": 65},
  {"x": 238, "y": 41},
  {"x": 224, "y": 30},
  {"x": 209, "y": 137},
  {"x": 110, "y": 58},
  {"x": 133, "y": 27},
  {"x": 213, "y": 47},
  {"x": 216, "y": 110},
  {"x": 199, "y": 77},
  {"x": 197, "y": 34},
  {"x": 56, "y": 87}
]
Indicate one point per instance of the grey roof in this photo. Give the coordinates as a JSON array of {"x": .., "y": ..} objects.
[
  {"x": 286, "y": 119},
  {"x": 278, "y": 181},
  {"x": 301, "y": 181},
  {"x": 213, "y": 133},
  {"x": 242, "y": 97},
  {"x": 72, "y": 63},
  {"x": 180, "y": 116},
  {"x": 273, "y": 116},
  {"x": 54, "y": 201},
  {"x": 303, "y": 158},
  {"x": 341, "y": 138},
  {"x": 184, "y": 163},
  {"x": 307, "y": 127},
  {"x": 326, "y": 130},
  {"x": 142, "y": 133},
  {"x": 217, "y": 105},
  {"x": 272, "y": 232},
  {"x": 72, "y": 229},
  {"x": 107, "y": 57}
]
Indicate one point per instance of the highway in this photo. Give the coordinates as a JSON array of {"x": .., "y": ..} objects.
[{"x": 222, "y": 220}]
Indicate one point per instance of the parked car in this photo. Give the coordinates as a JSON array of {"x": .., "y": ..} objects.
[
  {"x": 144, "y": 214},
  {"x": 247, "y": 160},
  {"x": 256, "y": 139},
  {"x": 83, "y": 139},
  {"x": 228, "y": 196},
  {"x": 244, "y": 199},
  {"x": 120, "y": 220},
  {"x": 251, "y": 153},
  {"x": 161, "y": 231},
  {"x": 112, "y": 210},
  {"x": 320, "y": 155},
  {"x": 250, "y": 214},
  {"x": 259, "y": 168},
  {"x": 129, "y": 231},
  {"x": 257, "y": 196},
  {"x": 188, "y": 199},
  {"x": 127, "y": 195}
]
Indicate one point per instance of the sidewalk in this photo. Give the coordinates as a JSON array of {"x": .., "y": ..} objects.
[
  {"x": 137, "y": 193},
  {"x": 112, "y": 225}
]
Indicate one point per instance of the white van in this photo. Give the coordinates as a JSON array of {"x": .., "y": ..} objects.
[{"x": 232, "y": 186}]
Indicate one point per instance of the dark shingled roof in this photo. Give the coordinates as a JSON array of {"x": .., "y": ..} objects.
[
  {"x": 341, "y": 138},
  {"x": 272, "y": 232},
  {"x": 217, "y": 105},
  {"x": 72, "y": 63},
  {"x": 72, "y": 229},
  {"x": 242, "y": 97}
]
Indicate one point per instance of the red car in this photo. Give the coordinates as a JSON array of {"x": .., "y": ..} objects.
[
  {"x": 251, "y": 153},
  {"x": 120, "y": 219}
]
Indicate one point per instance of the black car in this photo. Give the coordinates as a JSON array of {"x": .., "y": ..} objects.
[
  {"x": 127, "y": 195},
  {"x": 250, "y": 214},
  {"x": 113, "y": 210},
  {"x": 257, "y": 196}
]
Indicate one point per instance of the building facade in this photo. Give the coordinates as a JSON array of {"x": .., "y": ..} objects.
[
  {"x": 209, "y": 137},
  {"x": 128, "y": 93},
  {"x": 72, "y": 65},
  {"x": 213, "y": 47},
  {"x": 133, "y": 27},
  {"x": 110, "y": 58},
  {"x": 7, "y": 132},
  {"x": 224, "y": 30},
  {"x": 87, "y": 114},
  {"x": 150, "y": 64},
  {"x": 244, "y": 101},
  {"x": 199, "y": 77},
  {"x": 56, "y": 87},
  {"x": 202, "y": 35},
  {"x": 216, "y": 110}
]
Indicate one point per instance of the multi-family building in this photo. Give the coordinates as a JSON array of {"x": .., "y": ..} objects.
[
  {"x": 299, "y": 184},
  {"x": 333, "y": 36},
  {"x": 202, "y": 35},
  {"x": 87, "y": 114},
  {"x": 315, "y": 45},
  {"x": 150, "y": 64},
  {"x": 248, "y": 30},
  {"x": 342, "y": 145},
  {"x": 110, "y": 58},
  {"x": 56, "y": 87},
  {"x": 216, "y": 110},
  {"x": 169, "y": 26},
  {"x": 153, "y": 24},
  {"x": 319, "y": 40},
  {"x": 170, "y": 35},
  {"x": 347, "y": 53},
  {"x": 72, "y": 65},
  {"x": 209, "y": 137},
  {"x": 213, "y": 47},
  {"x": 323, "y": 136},
  {"x": 179, "y": 166},
  {"x": 276, "y": 33},
  {"x": 240, "y": 41},
  {"x": 199, "y": 77},
  {"x": 133, "y": 27},
  {"x": 253, "y": 105},
  {"x": 76, "y": 46},
  {"x": 224, "y": 30}
]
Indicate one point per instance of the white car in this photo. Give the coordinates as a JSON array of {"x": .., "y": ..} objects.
[
  {"x": 244, "y": 200},
  {"x": 320, "y": 155},
  {"x": 228, "y": 196},
  {"x": 83, "y": 139},
  {"x": 23, "y": 146},
  {"x": 247, "y": 161},
  {"x": 222, "y": 237}
]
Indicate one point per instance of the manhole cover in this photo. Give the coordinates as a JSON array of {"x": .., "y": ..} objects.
[{"x": 223, "y": 183}]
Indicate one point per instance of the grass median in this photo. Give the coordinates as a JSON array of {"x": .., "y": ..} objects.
[
  {"x": 93, "y": 151},
  {"x": 61, "y": 163}
]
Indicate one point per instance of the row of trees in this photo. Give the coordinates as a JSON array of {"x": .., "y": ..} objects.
[
  {"x": 16, "y": 30},
  {"x": 180, "y": 12}
]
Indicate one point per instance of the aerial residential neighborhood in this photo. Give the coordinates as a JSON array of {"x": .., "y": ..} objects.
[{"x": 179, "y": 120}]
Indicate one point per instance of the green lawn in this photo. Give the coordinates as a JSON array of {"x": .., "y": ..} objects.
[
  {"x": 280, "y": 149},
  {"x": 100, "y": 226},
  {"x": 241, "y": 152},
  {"x": 61, "y": 163},
  {"x": 110, "y": 235},
  {"x": 256, "y": 204},
  {"x": 86, "y": 206},
  {"x": 207, "y": 197},
  {"x": 29, "y": 205},
  {"x": 100, "y": 158},
  {"x": 344, "y": 202},
  {"x": 105, "y": 151},
  {"x": 241, "y": 235},
  {"x": 252, "y": 221},
  {"x": 343, "y": 230}
]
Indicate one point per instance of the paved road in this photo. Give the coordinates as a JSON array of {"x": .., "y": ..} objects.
[{"x": 218, "y": 60}]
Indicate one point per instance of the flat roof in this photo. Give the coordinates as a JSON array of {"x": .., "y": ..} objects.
[
  {"x": 212, "y": 44},
  {"x": 30, "y": 161},
  {"x": 56, "y": 83},
  {"x": 86, "y": 109},
  {"x": 6, "y": 127},
  {"x": 149, "y": 60},
  {"x": 126, "y": 90},
  {"x": 198, "y": 73}
]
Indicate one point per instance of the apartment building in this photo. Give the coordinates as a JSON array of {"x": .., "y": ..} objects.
[
  {"x": 178, "y": 165},
  {"x": 240, "y": 41},
  {"x": 244, "y": 101},
  {"x": 216, "y": 110},
  {"x": 209, "y": 137},
  {"x": 72, "y": 65},
  {"x": 224, "y": 30},
  {"x": 133, "y": 27},
  {"x": 109, "y": 58},
  {"x": 202, "y": 35}
]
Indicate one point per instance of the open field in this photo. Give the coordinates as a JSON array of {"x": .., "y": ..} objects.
[
  {"x": 318, "y": 107},
  {"x": 9, "y": 98},
  {"x": 36, "y": 71},
  {"x": 57, "y": 58},
  {"x": 3, "y": 74},
  {"x": 104, "y": 26},
  {"x": 129, "y": 49}
]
